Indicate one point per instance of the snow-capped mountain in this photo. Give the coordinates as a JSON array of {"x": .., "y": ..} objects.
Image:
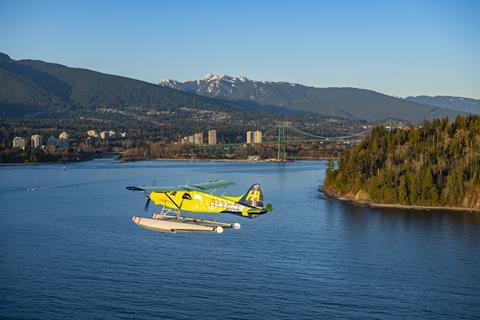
[
  {"x": 339, "y": 102},
  {"x": 221, "y": 86}
]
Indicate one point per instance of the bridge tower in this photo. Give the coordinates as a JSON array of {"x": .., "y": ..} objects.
[{"x": 281, "y": 142}]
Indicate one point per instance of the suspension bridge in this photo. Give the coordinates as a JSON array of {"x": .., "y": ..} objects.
[{"x": 282, "y": 134}]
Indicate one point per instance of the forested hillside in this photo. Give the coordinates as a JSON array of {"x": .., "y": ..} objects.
[
  {"x": 437, "y": 164},
  {"x": 28, "y": 84},
  {"x": 36, "y": 94}
]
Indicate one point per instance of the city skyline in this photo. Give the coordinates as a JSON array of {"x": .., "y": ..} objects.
[{"x": 397, "y": 48}]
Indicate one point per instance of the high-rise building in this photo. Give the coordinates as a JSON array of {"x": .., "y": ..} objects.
[
  {"x": 19, "y": 142},
  {"x": 198, "y": 138},
  {"x": 254, "y": 136},
  {"x": 36, "y": 141},
  {"x": 212, "y": 137},
  {"x": 249, "y": 136},
  {"x": 257, "y": 136}
]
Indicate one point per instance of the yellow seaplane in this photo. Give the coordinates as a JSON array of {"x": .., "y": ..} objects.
[{"x": 199, "y": 198}]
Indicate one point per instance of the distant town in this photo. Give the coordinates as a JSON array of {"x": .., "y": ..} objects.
[
  {"x": 36, "y": 141},
  {"x": 92, "y": 143},
  {"x": 281, "y": 142},
  {"x": 197, "y": 138},
  {"x": 63, "y": 140}
]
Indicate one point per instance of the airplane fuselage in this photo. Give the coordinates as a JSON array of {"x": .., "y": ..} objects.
[{"x": 198, "y": 201}]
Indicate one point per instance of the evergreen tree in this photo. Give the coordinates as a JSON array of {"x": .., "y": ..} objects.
[
  {"x": 403, "y": 196},
  {"x": 429, "y": 191},
  {"x": 435, "y": 164},
  {"x": 415, "y": 187}
]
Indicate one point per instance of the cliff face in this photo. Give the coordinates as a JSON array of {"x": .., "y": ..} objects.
[{"x": 437, "y": 164}]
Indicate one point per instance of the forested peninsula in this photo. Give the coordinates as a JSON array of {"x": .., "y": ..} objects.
[{"x": 434, "y": 165}]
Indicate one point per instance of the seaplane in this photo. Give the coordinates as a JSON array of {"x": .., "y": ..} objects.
[{"x": 198, "y": 198}]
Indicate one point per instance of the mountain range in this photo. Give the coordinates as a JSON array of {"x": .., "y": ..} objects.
[
  {"x": 342, "y": 102},
  {"x": 36, "y": 87},
  {"x": 467, "y": 105},
  {"x": 32, "y": 86}
]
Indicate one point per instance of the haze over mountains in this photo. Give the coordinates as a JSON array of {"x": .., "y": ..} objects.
[{"x": 339, "y": 102}]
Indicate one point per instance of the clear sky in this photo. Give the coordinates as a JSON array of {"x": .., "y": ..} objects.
[{"x": 395, "y": 47}]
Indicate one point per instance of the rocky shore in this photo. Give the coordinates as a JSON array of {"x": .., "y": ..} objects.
[{"x": 362, "y": 200}]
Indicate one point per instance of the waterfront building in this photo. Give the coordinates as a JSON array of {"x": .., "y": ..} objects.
[
  {"x": 254, "y": 136},
  {"x": 63, "y": 140},
  {"x": 36, "y": 141},
  {"x": 19, "y": 142},
  {"x": 212, "y": 137},
  {"x": 112, "y": 134},
  {"x": 198, "y": 138},
  {"x": 104, "y": 135},
  {"x": 63, "y": 135},
  {"x": 249, "y": 136},
  {"x": 92, "y": 133},
  {"x": 123, "y": 134},
  {"x": 189, "y": 139},
  {"x": 257, "y": 136}
]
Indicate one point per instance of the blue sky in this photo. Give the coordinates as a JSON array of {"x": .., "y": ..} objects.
[{"x": 395, "y": 47}]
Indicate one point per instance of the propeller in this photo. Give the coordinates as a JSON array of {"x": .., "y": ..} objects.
[{"x": 146, "y": 205}]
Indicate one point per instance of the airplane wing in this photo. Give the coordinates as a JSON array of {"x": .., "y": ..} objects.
[
  {"x": 212, "y": 185},
  {"x": 199, "y": 186},
  {"x": 156, "y": 189}
]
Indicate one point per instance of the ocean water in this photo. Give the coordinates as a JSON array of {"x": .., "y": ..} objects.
[{"x": 69, "y": 250}]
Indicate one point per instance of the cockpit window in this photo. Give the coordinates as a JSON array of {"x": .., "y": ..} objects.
[{"x": 187, "y": 196}]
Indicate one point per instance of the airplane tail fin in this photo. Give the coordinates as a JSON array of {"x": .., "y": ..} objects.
[{"x": 253, "y": 197}]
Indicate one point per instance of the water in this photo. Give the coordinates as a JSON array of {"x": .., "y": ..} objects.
[{"x": 69, "y": 249}]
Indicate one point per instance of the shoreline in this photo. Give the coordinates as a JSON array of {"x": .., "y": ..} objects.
[
  {"x": 167, "y": 159},
  {"x": 232, "y": 160},
  {"x": 329, "y": 192}
]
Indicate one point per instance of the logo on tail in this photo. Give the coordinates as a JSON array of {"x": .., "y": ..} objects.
[{"x": 253, "y": 197}]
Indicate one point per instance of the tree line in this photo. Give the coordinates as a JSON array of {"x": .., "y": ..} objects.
[{"x": 435, "y": 164}]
